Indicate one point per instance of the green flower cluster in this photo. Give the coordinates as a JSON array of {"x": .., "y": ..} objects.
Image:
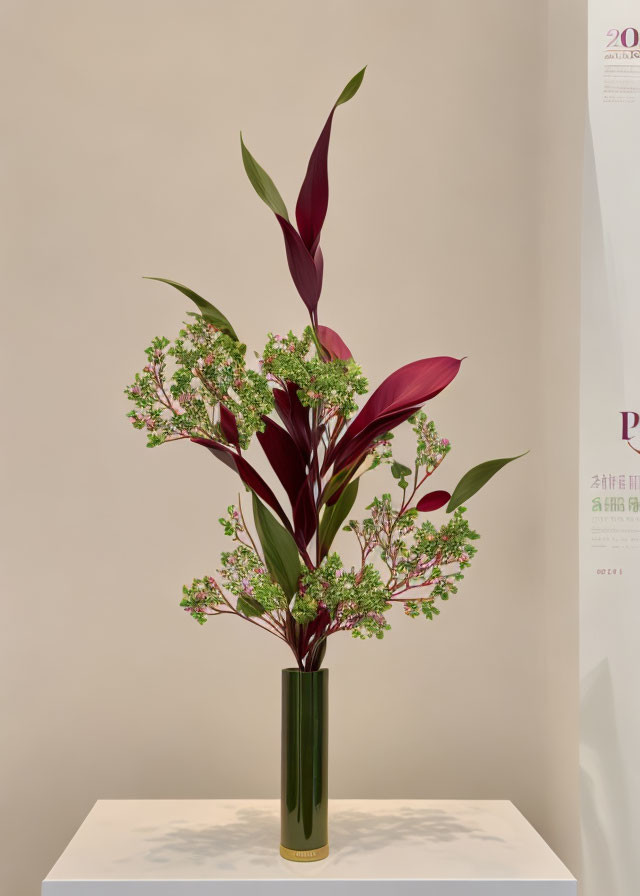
[
  {"x": 333, "y": 384},
  {"x": 385, "y": 530},
  {"x": 437, "y": 557},
  {"x": 431, "y": 449},
  {"x": 416, "y": 556},
  {"x": 382, "y": 452},
  {"x": 208, "y": 368},
  {"x": 245, "y": 576},
  {"x": 355, "y": 601},
  {"x": 430, "y": 452},
  {"x": 201, "y": 599}
]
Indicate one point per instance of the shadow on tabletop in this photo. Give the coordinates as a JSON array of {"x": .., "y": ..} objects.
[{"x": 253, "y": 838}]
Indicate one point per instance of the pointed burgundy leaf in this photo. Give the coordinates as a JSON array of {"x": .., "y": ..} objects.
[
  {"x": 229, "y": 426},
  {"x": 247, "y": 473},
  {"x": 305, "y": 517},
  {"x": 433, "y": 501},
  {"x": 350, "y": 450},
  {"x": 313, "y": 629},
  {"x": 283, "y": 405},
  {"x": 289, "y": 466},
  {"x": 283, "y": 455},
  {"x": 410, "y": 386},
  {"x": 349, "y": 461},
  {"x": 313, "y": 200},
  {"x": 333, "y": 344},
  {"x": 299, "y": 419},
  {"x": 295, "y": 418},
  {"x": 301, "y": 265}
]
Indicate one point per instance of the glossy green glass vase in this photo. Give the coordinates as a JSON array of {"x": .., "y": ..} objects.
[{"x": 304, "y": 835}]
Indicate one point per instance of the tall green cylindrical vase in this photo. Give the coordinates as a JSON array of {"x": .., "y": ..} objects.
[{"x": 304, "y": 835}]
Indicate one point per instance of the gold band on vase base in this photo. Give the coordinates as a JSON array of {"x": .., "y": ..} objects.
[{"x": 304, "y": 855}]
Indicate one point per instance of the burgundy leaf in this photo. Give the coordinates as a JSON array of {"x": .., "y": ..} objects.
[
  {"x": 284, "y": 457},
  {"x": 409, "y": 387},
  {"x": 299, "y": 417},
  {"x": 433, "y": 500},
  {"x": 305, "y": 517},
  {"x": 333, "y": 344},
  {"x": 289, "y": 466},
  {"x": 311, "y": 208},
  {"x": 314, "y": 629},
  {"x": 348, "y": 462},
  {"x": 229, "y": 426},
  {"x": 412, "y": 384},
  {"x": 350, "y": 450},
  {"x": 302, "y": 266},
  {"x": 313, "y": 200},
  {"x": 283, "y": 405},
  {"x": 247, "y": 473},
  {"x": 295, "y": 418}
]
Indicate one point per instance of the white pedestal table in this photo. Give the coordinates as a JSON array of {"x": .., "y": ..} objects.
[{"x": 378, "y": 848}]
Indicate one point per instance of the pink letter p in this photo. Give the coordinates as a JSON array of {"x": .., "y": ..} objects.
[{"x": 626, "y": 417}]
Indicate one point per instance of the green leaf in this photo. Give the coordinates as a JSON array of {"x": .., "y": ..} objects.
[
  {"x": 249, "y": 606},
  {"x": 334, "y": 515},
  {"x": 262, "y": 183},
  {"x": 478, "y": 476},
  {"x": 399, "y": 471},
  {"x": 280, "y": 551},
  {"x": 352, "y": 88},
  {"x": 334, "y": 484},
  {"x": 207, "y": 310},
  {"x": 355, "y": 470}
]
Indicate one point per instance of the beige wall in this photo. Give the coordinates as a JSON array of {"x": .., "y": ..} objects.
[{"x": 452, "y": 229}]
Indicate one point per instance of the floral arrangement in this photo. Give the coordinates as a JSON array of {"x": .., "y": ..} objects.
[{"x": 284, "y": 577}]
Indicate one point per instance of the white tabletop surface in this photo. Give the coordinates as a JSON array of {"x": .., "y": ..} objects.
[{"x": 216, "y": 847}]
